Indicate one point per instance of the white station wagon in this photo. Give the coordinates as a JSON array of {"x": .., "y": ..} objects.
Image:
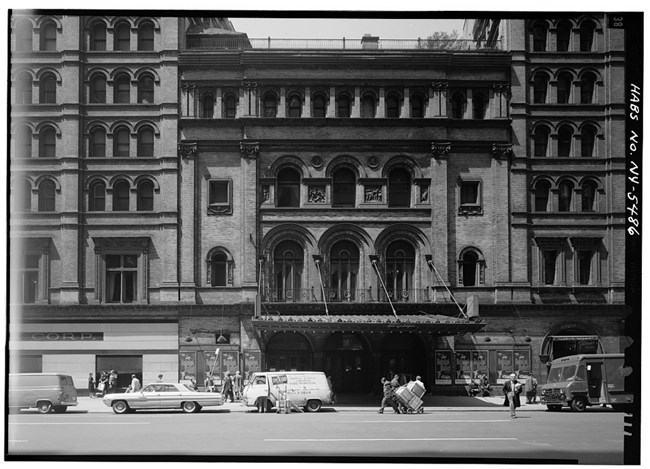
[{"x": 163, "y": 396}]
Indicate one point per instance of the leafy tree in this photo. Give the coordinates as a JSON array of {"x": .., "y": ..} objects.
[{"x": 445, "y": 41}]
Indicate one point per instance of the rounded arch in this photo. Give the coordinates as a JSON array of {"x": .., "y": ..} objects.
[
  {"x": 95, "y": 71},
  {"x": 146, "y": 123},
  {"x": 91, "y": 126},
  {"x": 562, "y": 71},
  {"x": 297, "y": 345},
  {"x": 21, "y": 124},
  {"x": 41, "y": 20},
  {"x": 117, "y": 72},
  {"x": 41, "y": 126},
  {"x": 404, "y": 162},
  {"x": 590, "y": 124},
  {"x": 295, "y": 92},
  {"x": 21, "y": 20},
  {"x": 345, "y": 231},
  {"x": 114, "y": 21},
  {"x": 139, "y": 21},
  {"x": 149, "y": 178},
  {"x": 542, "y": 178},
  {"x": 566, "y": 123},
  {"x": 590, "y": 178},
  {"x": 402, "y": 232},
  {"x": 271, "y": 92},
  {"x": 347, "y": 162},
  {"x": 566, "y": 178},
  {"x": 21, "y": 72},
  {"x": 137, "y": 74},
  {"x": 47, "y": 177},
  {"x": 216, "y": 250},
  {"x": 589, "y": 71},
  {"x": 543, "y": 123},
  {"x": 568, "y": 328},
  {"x": 94, "y": 179},
  {"x": 118, "y": 178},
  {"x": 120, "y": 124},
  {"x": 285, "y": 232},
  {"x": 93, "y": 20},
  {"x": 471, "y": 249},
  {"x": 289, "y": 161},
  {"x": 45, "y": 71}
]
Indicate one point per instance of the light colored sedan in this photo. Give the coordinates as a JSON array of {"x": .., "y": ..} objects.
[{"x": 163, "y": 396}]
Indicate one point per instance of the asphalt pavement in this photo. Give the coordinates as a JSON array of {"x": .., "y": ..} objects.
[{"x": 362, "y": 403}]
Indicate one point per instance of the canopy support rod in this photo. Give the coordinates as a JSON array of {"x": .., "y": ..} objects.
[
  {"x": 317, "y": 260},
  {"x": 374, "y": 259},
  {"x": 433, "y": 268}
]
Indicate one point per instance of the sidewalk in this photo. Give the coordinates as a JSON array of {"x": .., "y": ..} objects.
[{"x": 358, "y": 403}]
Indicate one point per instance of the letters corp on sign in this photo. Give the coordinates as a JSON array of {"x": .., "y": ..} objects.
[{"x": 60, "y": 336}]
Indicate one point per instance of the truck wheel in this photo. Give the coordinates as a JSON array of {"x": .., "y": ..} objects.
[
  {"x": 44, "y": 407},
  {"x": 120, "y": 407},
  {"x": 59, "y": 409},
  {"x": 554, "y": 408},
  {"x": 190, "y": 407},
  {"x": 579, "y": 404},
  {"x": 313, "y": 405}
]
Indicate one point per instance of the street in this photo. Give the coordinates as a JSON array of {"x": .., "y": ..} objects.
[{"x": 592, "y": 437}]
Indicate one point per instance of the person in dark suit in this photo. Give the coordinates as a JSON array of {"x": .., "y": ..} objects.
[{"x": 511, "y": 391}]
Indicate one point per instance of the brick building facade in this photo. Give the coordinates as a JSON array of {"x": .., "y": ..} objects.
[{"x": 361, "y": 208}]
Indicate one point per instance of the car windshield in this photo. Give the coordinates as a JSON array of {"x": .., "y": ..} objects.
[{"x": 554, "y": 375}]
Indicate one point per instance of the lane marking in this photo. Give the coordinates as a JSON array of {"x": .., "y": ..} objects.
[
  {"x": 387, "y": 439},
  {"x": 80, "y": 423},
  {"x": 418, "y": 421}
]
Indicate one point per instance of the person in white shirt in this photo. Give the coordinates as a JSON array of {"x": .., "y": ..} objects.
[{"x": 135, "y": 384}]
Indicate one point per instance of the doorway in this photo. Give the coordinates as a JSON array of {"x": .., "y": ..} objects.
[
  {"x": 347, "y": 360},
  {"x": 403, "y": 354},
  {"x": 288, "y": 351}
]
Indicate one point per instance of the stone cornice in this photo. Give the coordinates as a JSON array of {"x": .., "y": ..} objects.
[
  {"x": 249, "y": 150},
  {"x": 440, "y": 150}
]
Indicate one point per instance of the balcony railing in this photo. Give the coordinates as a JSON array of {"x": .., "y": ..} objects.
[
  {"x": 332, "y": 295},
  {"x": 205, "y": 42}
]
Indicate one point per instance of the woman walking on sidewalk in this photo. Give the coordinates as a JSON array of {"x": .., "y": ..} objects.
[{"x": 91, "y": 385}]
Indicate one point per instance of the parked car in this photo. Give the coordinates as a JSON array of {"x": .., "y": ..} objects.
[
  {"x": 45, "y": 391},
  {"x": 163, "y": 396}
]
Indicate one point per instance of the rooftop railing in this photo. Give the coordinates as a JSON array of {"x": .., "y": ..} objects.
[{"x": 206, "y": 42}]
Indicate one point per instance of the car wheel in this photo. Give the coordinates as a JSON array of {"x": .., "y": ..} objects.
[
  {"x": 59, "y": 409},
  {"x": 190, "y": 407},
  {"x": 44, "y": 407},
  {"x": 120, "y": 407},
  {"x": 554, "y": 408},
  {"x": 579, "y": 404},
  {"x": 313, "y": 405}
]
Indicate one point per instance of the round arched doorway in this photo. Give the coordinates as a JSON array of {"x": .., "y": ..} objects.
[
  {"x": 570, "y": 339},
  {"x": 403, "y": 354},
  {"x": 347, "y": 361},
  {"x": 289, "y": 351}
]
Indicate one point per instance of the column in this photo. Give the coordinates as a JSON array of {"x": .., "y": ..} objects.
[
  {"x": 381, "y": 107},
  {"x": 282, "y": 106},
  {"x": 406, "y": 104},
  {"x": 438, "y": 100},
  {"x": 248, "y": 196},
  {"x": 501, "y": 261},
  {"x": 184, "y": 106},
  {"x": 187, "y": 154},
  {"x": 469, "y": 108},
  {"x": 217, "y": 103},
  {"x": 440, "y": 211},
  {"x": 331, "y": 107},
  {"x": 243, "y": 102},
  {"x": 356, "y": 106},
  {"x": 306, "y": 105}
]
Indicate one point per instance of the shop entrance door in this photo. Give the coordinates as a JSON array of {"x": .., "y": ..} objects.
[
  {"x": 124, "y": 365},
  {"x": 346, "y": 361},
  {"x": 289, "y": 352},
  {"x": 403, "y": 354}
]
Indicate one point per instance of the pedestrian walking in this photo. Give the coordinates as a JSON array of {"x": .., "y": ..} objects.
[
  {"x": 112, "y": 382},
  {"x": 226, "y": 389},
  {"x": 238, "y": 382},
  {"x": 103, "y": 383},
  {"x": 389, "y": 394},
  {"x": 91, "y": 385},
  {"x": 135, "y": 384},
  {"x": 511, "y": 391},
  {"x": 531, "y": 389}
]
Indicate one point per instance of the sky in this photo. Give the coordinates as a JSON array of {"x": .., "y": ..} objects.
[{"x": 335, "y": 28}]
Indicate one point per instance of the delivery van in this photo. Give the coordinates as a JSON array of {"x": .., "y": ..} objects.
[
  {"x": 579, "y": 381},
  {"x": 44, "y": 391},
  {"x": 308, "y": 389}
]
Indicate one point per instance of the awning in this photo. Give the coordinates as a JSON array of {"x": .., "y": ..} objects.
[{"x": 427, "y": 323}]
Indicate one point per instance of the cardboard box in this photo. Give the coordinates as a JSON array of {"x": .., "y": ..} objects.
[
  {"x": 404, "y": 394},
  {"x": 416, "y": 388}
]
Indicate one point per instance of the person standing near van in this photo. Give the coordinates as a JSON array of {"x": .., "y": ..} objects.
[
  {"x": 239, "y": 384},
  {"x": 91, "y": 385},
  {"x": 531, "y": 389},
  {"x": 226, "y": 389},
  {"x": 511, "y": 391}
]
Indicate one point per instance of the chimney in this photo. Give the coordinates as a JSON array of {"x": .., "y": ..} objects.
[{"x": 369, "y": 42}]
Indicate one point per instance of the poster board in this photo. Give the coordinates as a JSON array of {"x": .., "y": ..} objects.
[{"x": 442, "y": 372}]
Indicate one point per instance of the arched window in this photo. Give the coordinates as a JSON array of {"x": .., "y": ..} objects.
[
  {"x": 229, "y": 108},
  {"x": 270, "y": 105},
  {"x": 121, "y": 196},
  {"x": 588, "y": 141},
  {"x": 368, "y": 107},
  {"x": 145, "y": 89},
  {"x": 288, "y": 188},
  {"x": 564, "y": 82},
  {"x": 48, "y": 37},
  {"x": 97, "y": 197},
  {"x": 121, "y": 142},
  {"x": 563, "y": 36},
  {"x": 470, "y": 269},
  {"x": 47, "y": 89},
  {"x": 145, "y": 141},
  {"x": 400, "y": 265},
  {"x": 541, "y": 137},
  {"x": 24, "y": 36},
  {"x": 587, "y": 86},
  {"x": 587, "y": 30},
  {"x": 98, "y": 89},
  {"x": 417, "y": 106},
  {"x": 145, "y": 36},
  {"x": 589, "y": 196},
  {"x": 542, "y": 192},
  {"x": 23, "y": 197},
  {"x": 145, "y": 196},
  {"x": 319, "y": 103},
  {"x": 288, "y": 259},
  {"x": 23, "y": 142},
  {"x": 399, "y": 188},
  {"x": 97, "y": 147},
  {"x": 392, "y": 105},
  {"x": 98, "y": 36},
  {"x": 122, "y": 37},
  {"x": 564, "y": 141},
  {"x": 479, "y": 104},
  {"x": 207, "y": 106},
  {"x": 458, "y": 103},
  {"x": 47, "y": 143},
  {"x": 46, "y": 202},
  {"x": 294, "y": 105},
  {"x": 565, "y": 196},
  {"x": 344, "y": 269},
  {"x": 540, "y": 88},
  {"x": 343, "y": 105},
  {"x": 344, "y": 187},
  {"x": 122, "y": 90},
  {"x": 540, "y": 30},
  {"x": 219, "y": 270},
  {"x": 24, "y": 89}
]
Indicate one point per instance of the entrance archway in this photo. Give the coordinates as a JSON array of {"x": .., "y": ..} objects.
[
  {"x": 347, "y": 361},
  {"x": 569, "y": 339},
  {"x": 403, "y": 354},
  {"x": 289, "y": 351}
]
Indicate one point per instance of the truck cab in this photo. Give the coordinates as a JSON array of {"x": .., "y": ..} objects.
[{"x": 579, "y": 381}]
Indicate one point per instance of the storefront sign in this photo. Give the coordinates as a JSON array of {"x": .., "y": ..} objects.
[
  {"x": 443, "y": 372},
  {"x": 59, "y": 336}
]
